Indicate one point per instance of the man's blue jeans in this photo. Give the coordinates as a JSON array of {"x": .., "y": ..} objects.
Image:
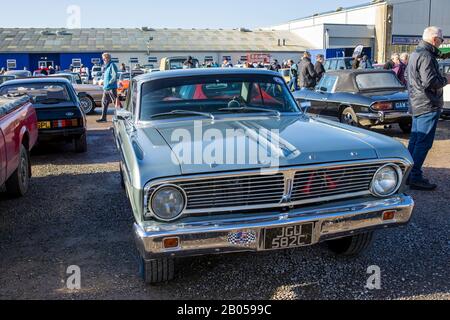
[
  {"x": 294, "y": 81},
  {"x": 421, "y": 141}
]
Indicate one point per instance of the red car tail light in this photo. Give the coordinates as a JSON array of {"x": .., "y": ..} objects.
[
  {"x": 67, "y": 123},
  {"x": 382, "y": 106}
]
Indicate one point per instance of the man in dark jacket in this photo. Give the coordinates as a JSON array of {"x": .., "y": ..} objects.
[
  {"x": 318, "y": 67},
  {"x": 308, "y": 75},
  {"x": 425, "y": 85}
]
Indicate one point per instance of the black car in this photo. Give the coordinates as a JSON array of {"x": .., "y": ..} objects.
[
  {"x": 360, "y": 98},
  {"x": 60, "y": 115}
]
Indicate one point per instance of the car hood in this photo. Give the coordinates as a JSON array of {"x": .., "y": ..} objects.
[{"x": 302, "y": 141}]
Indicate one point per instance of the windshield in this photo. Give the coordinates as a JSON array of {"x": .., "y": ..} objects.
[
  {"x": 43, "y": 93},
  {"x": 369, "y": 81},
  {"x": 216, "y": 95}
]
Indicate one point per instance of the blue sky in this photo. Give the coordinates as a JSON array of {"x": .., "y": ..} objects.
[{"x": 164, "y": 14}]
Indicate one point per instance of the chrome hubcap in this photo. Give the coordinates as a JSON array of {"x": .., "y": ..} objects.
[{"x": 86, "y": 104}]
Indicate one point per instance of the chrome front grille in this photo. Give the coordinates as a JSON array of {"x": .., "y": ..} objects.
[
  {"x": 313, "y": 184},
  {"x": 286, "y": 187},
  {"x": 235, "y": 192}
]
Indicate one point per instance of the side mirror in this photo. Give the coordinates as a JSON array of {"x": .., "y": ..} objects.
[
  {"x": 305, "y": 105},
  {"x": 122, "y": 114}
]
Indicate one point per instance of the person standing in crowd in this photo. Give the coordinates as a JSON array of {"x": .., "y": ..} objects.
[
  {"x": 2, "y": 71},
  {"x": 318, "y": 67},
  {"x": 188, "y": 64},
  {"x": 275, "y": 66},
  {"x": 109, "y": 83},
  {"x": 51, "y": 70},
  {"x": 404, "y": 58},
  {"x": 226, "y": 64},
  {"x": 399, "y": 68},
  {"x": 390, "y": 64},
  {"x": 365, "y": 63},
  {"x": 307, "y": 75},
  {"x": 123, "y": 67},
  {"x": 293, "y": 73},
  {"x": 425, "y": 86}
]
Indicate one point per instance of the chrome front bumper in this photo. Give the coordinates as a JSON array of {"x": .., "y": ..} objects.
[{"x": 212, "y": 237}]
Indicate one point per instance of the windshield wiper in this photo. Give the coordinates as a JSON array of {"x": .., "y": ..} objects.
[
  {"x": 251, "y": 109},
  {"x": 183, "y": 112}
]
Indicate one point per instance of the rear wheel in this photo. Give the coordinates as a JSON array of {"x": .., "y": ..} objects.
[
  {"x": 17, "y": 185},
  {"x": 349, "y": 117},
  {"x": 157, "y": 271},
  {"x": 406, "y": 126},
  {"x": 351, "y": 246},
  {"x": 81, "y": 144},
  {"x": 88, "y": 104}
]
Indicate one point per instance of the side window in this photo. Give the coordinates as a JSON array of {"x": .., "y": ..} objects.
[
  {"x": 333, "y": 64},
  {"x": 340, "y": 65},
  {"x": 327, "y": 83},
  {"x": 327, "y": 65}
]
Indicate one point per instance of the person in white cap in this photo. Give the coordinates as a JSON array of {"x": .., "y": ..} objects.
[{"x": 425, "y": 86}]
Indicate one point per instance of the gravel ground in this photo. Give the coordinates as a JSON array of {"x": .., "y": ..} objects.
[{"x": 76, "y": 214}]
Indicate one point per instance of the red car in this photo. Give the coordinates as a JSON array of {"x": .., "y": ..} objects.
[{"x": 18, "y": 135}]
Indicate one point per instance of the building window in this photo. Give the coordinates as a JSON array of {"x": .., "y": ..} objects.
[
  {"x": 115, "y": 60},
  {"x": 95, "y": 60},
  {"x": 209, "y": 59},
  {"x": 11, "y": 64},
  {"x": 134, "y": 60},
  {"x": 152, "y": 59},
  {"x": 76, "y": 63},
  {"x": 243, "y": 58},
  {"x": 227, "y": 58}
]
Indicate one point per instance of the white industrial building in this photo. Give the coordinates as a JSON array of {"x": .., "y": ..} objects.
[
  {"x": 32, "y": 48},
  {"x": 383, "y": 26}
]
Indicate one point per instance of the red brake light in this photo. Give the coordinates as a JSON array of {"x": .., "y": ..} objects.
[{"x": 382, "y": 106}]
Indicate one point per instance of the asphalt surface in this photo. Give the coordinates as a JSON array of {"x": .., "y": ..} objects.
[{"x": 77, "y": 214}]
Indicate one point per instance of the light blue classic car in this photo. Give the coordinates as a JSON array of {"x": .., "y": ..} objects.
[{"x": 223, "y": 160}]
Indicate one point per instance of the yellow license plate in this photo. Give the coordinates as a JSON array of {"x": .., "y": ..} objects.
[{"x": 44, "y": 125}]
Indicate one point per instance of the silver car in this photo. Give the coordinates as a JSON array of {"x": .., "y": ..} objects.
[{"x": 218, "y": 161}]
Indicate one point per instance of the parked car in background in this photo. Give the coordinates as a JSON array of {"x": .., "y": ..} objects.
[
  {"x": 360, "y": 98},
  {"x": 18, "y": 135},
  {"x": 445, "y": 69},
  {"x": 18, "y": 74},
  {"x": 331, "y": 183},
  {"x": 124, "y": 81},
  {"x": 90, "y": 95},
  {"x": 6, "y": 78},
  {"x": 176, "y": 63},
  {"x": 59, "y": 113}
]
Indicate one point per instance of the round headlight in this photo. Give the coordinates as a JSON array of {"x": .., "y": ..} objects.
[
  {"x": 386, "y": 181},
  {"x": 167, "y": 203}
]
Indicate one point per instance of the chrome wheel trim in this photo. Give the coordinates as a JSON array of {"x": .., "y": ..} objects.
[
  {"x": 24, "y": 171},
  {"x": 86, "y": 104}
]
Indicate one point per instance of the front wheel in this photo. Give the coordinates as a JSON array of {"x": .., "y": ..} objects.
[
  {"x": 349, "y": 117},
  {"x": 17, "y": 185},
  {"x": 81, "y": 144},
  {"x": 351, "y": 246},
  {"x": 406, "y": 126},
  {"x": 157, "y": 271}
]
